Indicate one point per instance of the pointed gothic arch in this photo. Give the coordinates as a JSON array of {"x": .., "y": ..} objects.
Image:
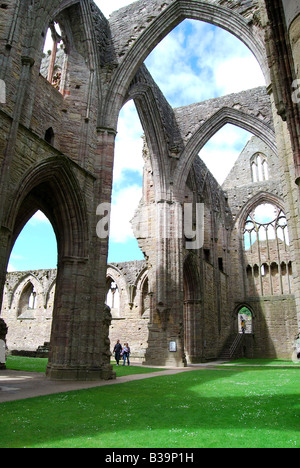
[
  {"x": 167, "y": 18},
  {"x": 52, "y": 188},
  {"x": 199, "y": 139}
]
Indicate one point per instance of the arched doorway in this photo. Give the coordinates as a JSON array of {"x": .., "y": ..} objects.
[{"x": 245, "y": 321}]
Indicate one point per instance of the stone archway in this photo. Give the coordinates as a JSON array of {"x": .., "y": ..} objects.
[
  {"x": 164, "y": 16},
  {"x": 225, "y": 115},
  {"x": 52, "y": 188}
]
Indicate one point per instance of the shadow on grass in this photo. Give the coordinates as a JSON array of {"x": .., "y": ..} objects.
[{"x": 207, "y": 408}]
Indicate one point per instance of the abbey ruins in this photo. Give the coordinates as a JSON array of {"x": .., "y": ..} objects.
[{"x": 182, "y": 304}]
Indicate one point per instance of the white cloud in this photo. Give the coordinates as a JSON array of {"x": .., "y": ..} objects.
[
  {"x": 11, "y": 268},
  {"x": 197, "y": 61},
  {"x": 129, "y": 144},
  {"x": 223, "y": 149},
  {"x": 123, "y": 209},
  {"x": 38, "y": 218},
  {"x": 237, "y": 74},
  {"x": 109, "y": 6}
]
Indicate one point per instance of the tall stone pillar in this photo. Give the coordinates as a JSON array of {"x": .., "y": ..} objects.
[
  {"x": 80, "y": 347},
  {"x": 166, "y": 329}
]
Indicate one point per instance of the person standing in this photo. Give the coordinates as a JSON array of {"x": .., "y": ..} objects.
[
  {"x": 118, "y": 351},
  {"x": 126, "y": 354},
  {"x": 243, "y": 325}
]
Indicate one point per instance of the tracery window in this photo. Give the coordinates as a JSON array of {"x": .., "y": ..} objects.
[
  {"x": 267, "y": 255},
  {"x": 259, "y": 168}
]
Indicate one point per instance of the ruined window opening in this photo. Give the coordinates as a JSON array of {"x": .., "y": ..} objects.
[
  {"x": 266, "y": 249},
  {"x": 54, "y": 56},
  {"x": 259, "y": 168},
  {"x": 49, "y": 136},
  {"x": 27, "y": 300},
  {"x": 145, "y": 298},
  {"x": 113, "y": 298}
]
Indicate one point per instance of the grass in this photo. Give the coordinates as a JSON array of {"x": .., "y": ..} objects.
[
  {"x": 229, "y": 407},
  {"x": 262, "y": 362},
  {"x": 25, "y": 364}
]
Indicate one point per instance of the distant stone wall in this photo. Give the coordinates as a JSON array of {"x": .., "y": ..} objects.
[{"x": 29, "y": 299}]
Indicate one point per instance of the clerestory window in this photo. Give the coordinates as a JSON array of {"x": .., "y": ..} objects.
[{"x": 259, "y": 168}]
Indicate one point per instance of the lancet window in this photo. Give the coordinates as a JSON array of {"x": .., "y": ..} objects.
[{"x": 259, "y": 168}]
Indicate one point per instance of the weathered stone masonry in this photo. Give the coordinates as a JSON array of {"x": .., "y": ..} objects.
[
  {"x": 57, "y": 152},
  {"x": 217, "y": 282}
]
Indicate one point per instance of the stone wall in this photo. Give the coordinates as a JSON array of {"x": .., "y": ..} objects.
[
  {"x": 216, "y": 279},
  {"x": 29, "y": 300}
]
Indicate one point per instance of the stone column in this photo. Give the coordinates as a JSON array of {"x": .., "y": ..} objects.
[
  {"x": 166, "y": 330},
  {"x": 80, "y": 346}
]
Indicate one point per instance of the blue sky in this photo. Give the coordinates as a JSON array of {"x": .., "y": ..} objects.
[{"x": 195, "y": 62}]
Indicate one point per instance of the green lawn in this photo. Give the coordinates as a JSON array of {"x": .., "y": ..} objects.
[
  {"x": 20, "y": 363},
  {"x": 262, "y": 362},
  {"x": 230, "y": 407}
]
